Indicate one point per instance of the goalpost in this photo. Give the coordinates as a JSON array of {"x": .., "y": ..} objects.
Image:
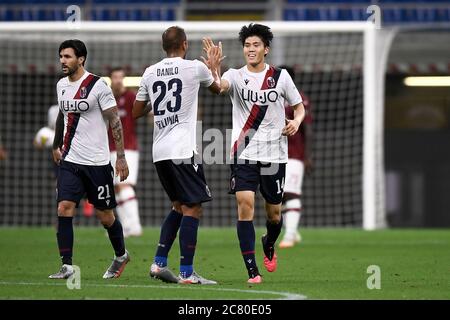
[{"x": 339, "y": 66}]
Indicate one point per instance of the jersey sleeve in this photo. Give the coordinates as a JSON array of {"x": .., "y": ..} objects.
[
  {"x": 229, "y": 76},
  {"x": 291, "y": 93},
  {"x": 106, "y": 98},
  {"x": 143, "y": 94},
  {"x": 57, "y": 90},
  {"x": 204, "y": 74}
]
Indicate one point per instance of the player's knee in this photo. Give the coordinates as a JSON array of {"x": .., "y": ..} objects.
[
  {"x": 106, "y": 217},
  {"x": 273, "y": 212},
  {"x": 66, "y": 209},
  {"x": 192, "y": 210},
  {"x": 246, "y": 204},
  {"x": 274, "y": 219},
  {"x": 245, "y": 208},
  {"x": 177, "y": 206}
]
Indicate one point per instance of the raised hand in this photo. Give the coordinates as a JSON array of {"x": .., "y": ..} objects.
[{"x": 208, "y": 48}]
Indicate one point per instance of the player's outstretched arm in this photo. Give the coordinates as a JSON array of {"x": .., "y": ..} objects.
[
  {"x": 116, "y": 128},
  {"x": 141, "y": 108},
  {"x": 214, "y": 55},
  {"x": 292, "y": 125},
  {"x": 214, "y": 58},
  {"x": 58, "y": 139}
]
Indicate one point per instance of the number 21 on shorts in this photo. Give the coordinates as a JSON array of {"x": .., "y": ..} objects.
[{"x": 101, "y": 192}]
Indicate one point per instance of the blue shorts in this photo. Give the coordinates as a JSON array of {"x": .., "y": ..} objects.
[
  {"x": 75, "y": 180},
  {"x": 268, "y": 176},
  {"x": 183, "y": 182}
]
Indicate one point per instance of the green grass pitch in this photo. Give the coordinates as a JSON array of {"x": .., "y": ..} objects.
[{"x": 328, "y": 264}]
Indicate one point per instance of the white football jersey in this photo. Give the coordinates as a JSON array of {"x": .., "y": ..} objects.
[
  {"x": 172, "y": 87},
  {"x": 85, "y": 129},
  {"x": 258, "y": 100}
]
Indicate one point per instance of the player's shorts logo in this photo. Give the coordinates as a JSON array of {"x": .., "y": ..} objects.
[
  {"x": 271, "y": 82},
  {"x": 208, "y": 192},
  {"x": 232, "y": 183},
  {"x": 83, "y": 92}
]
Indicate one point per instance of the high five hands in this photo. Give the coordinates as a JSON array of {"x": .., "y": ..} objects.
[{"x": 213, "y": 52}]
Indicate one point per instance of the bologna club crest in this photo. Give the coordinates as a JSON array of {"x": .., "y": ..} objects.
[
  {"x": 271, "y": 82},
  {"x": 83, "y": 92}
]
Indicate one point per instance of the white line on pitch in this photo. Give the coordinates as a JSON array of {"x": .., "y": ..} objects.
[{"x": 285, "y": 295}]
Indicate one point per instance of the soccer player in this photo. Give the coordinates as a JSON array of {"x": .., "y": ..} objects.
[
  {"x": 127, "y": 203},
  {"x": 300, "y": 160},
  {"x": 172, "y": 86},
  {"x": 44, "y": 139},
  {"x": 86, "y": 106},
  {"x": 258, "y": 93}
]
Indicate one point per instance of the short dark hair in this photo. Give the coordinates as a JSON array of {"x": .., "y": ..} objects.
[
  {"x": 78, "y": 47},
  {"x": 290, "y": 70},
  {"x": 115, "y": 69},
  {"x": 173, "y": 38},
  {"x": 255, "y": 29}
]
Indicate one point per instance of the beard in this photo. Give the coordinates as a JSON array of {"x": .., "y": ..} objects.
[{"x": 70, "y": 71}]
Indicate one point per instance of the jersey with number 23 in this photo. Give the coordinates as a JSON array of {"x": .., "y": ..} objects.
[{"x": 172, "y": 86}]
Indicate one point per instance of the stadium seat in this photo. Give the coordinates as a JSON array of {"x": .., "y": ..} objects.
[
  {"x": 100, "y": 15},
  {"x": 409, "y": 15},
  {"x": 426, "y": 15},
  {"x": 443, "y": 15},
  {"x": 169, "y": 15},
  {"x": 290, "y": 15},
  {"x": 155, "y": 15},
  {"x": 135, "y": 15},
  {"x": 7, "y": 15},
  {"x": 344, "y": 14},
  {"x": 312, "y": 14}
]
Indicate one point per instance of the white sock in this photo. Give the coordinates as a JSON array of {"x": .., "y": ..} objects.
[
  {"x": 292, "y": 216},
  {"x": 130, "y": 207},
  {"x": 121, "y": 213}
]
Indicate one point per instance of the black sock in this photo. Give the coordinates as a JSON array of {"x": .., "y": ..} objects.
[
  {"x": 115, "y": 233},
  {"x": 168, "y": 233},
  {"x": 246, "y": 235},
  {"x": 65, "y": 239},
  {"x": 273, "y": 231},
  {"x": 188, "y": 242}
]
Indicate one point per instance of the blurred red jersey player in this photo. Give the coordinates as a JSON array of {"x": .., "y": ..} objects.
[
  {"x": 127, "y": 203},
  {"x": 300, "y": 160}
]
